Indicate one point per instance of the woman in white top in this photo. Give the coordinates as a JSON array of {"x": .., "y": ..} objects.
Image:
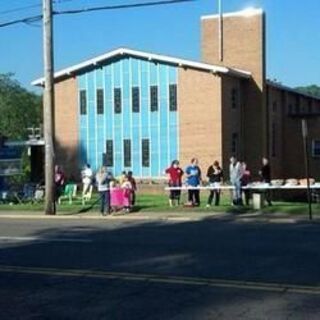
[{"x": 87, "y": 176}]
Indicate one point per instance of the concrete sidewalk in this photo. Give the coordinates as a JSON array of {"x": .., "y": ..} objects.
[{"x": 166, "y": 216}]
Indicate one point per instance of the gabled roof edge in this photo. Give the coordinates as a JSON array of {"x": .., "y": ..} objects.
[{"x": 145, "y": 55}]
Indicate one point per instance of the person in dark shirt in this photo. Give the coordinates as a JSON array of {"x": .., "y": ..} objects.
[
  {"x": 265, "y": 174},
  {"x": 214, "y": 175},
  {"x": 175, "y": 174},
  {"x": 134, "y": 187},
  {"x": 245, "y": 180}
]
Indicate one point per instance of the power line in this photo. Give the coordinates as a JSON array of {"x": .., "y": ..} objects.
[
  {"x": 121, "y": 6},
  {"x": 92, "y": 9},
  {"x": 20, "y": 9}
]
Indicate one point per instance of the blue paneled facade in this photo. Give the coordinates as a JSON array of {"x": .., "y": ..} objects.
[{"x": 132, "y": 112}]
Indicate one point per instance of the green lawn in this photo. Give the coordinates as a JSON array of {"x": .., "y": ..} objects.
[{"x": 159, "y": 203}]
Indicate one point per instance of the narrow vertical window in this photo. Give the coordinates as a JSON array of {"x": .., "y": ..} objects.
[
  {"x": 127, "y": 152},
  {"x": 234, "y": 144},
  {"x": 310, "y": 106},
  {"x": 273, "y": 140},
  {"x": 154, "y": 98},
  {"x": 274, "y": 106},
  {"x": 83, "y": 102},
  {"x": 316, "y": 148},
  {"x": 117, "y": 100},
  {"x": 109, "y": 153},
  {"x": 297, "y": 105},
  {"x": 173, "y": 97},
  {"x": 234, "y": 98},
  {"x": 100, "y": 102},
  {"x": 135, "y": 99},
  {"x": 145, "y": 153}
]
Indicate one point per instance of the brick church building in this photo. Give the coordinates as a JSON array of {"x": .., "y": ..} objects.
[{"x": 134, "y": 110}]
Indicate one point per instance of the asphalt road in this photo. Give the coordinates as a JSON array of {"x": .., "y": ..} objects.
[{"x": 211, "y": 269}]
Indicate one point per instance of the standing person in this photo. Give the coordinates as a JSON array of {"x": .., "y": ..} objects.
[
  {"x": 104, "y": 179},
  {"x": 134, "y": 187},
  {"x": 235, "y": 171},
  {"x": 214, "y": 175},
  {"x": 87, "y": 176},
  {"x": 126, "y": 186},
  {"x": 245, "y": 180},
  {"x": 265, "y": 174},
  {"x": 59, "y": 180},
  {"x": 193, "y": 174},
  {"x": 175, "y": 174}
]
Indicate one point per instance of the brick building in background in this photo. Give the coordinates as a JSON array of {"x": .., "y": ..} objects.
[{"x": 133, "y": 110}]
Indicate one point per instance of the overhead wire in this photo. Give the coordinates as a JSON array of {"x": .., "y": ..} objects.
[{"x": 92, "y": 9}]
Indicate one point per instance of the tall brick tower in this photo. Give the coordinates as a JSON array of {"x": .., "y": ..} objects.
[{"x": 243, "y": 47}]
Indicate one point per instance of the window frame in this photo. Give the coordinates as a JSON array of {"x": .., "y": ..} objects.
[
  {"x": 154, "y": 101},
  {"x": 109, "y": 145},
  {"x": 145, "y": 160},
  {"x": 313, "y": 148},
  {"x": 83, "y": 108},
  {"x": 135, "y": 99},
  {"x": 100, "y": 100},
  {"x": 127, "y": 153},
  {"x": 117, "y": 100},
  {"x": 173, "y": 93}
]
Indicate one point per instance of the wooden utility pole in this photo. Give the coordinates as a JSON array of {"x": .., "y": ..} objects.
[{"x": 48, "y": 107}]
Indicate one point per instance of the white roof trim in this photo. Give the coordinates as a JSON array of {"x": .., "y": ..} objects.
[
  {"x": 292, "y": 90},
  {"x": 150, "y": 56},
  {"x": 243, "y": 13}
]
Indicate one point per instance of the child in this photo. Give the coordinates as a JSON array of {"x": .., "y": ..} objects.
[{"x": 127, "y": 194}]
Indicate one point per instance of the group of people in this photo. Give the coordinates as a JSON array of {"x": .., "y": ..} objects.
[
  {"x": 239, "y": 177},
  {"x": 114, "y": 192}
]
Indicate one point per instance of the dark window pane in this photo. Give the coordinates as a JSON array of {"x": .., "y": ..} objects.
[
  {"x": 135, "y": 99},
  {"x": 145, "y": 153},
  {"x": 234, "y": 144},
  {"x": 173, "y": 97},
  {"x": 316, "y": 148},
  {"x": 273, "y": 140},
  {"x": 117, "y": 100},
  {"x": 109, "y": 153},
  {"x": 297, "y": 105},
  {"x": 234, "y": 98},
  {"x": 274, "y": 106},
  {"x": 100, "y": 103},
  {"x": 83, "y": 102},
  {"x": 154, "y": 98},
  {"x": 127, "y": 152}
]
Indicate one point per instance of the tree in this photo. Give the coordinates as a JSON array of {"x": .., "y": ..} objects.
[
  {"x": 19, "y": 108},
  {"x": 312, "y": 90}
]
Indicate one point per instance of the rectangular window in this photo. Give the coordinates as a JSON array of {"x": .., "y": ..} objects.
[
  {"x": 273, "y": 140},
  {"x": 234, "y": 98},
  {"x": 310, "y": 106},
  {"x": 127, "y": 152},
  {"x": 297, "y": 105},
  {"x": 117, "y": 100},
  {"x": 100, "y": 103},
  {"x": 83, "y": 102},
  {"x": 109, "y": 153},
  {"x": 154, "y": 98},
  {"x": 145, "y": 153},
  {"x": 274, "y": 106},
  {"x": 135, "y": 99},
  {"x": 173, "y": 97},
  {"x": 316, "y": 148},
  {"x": 234, "y": 144}
]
